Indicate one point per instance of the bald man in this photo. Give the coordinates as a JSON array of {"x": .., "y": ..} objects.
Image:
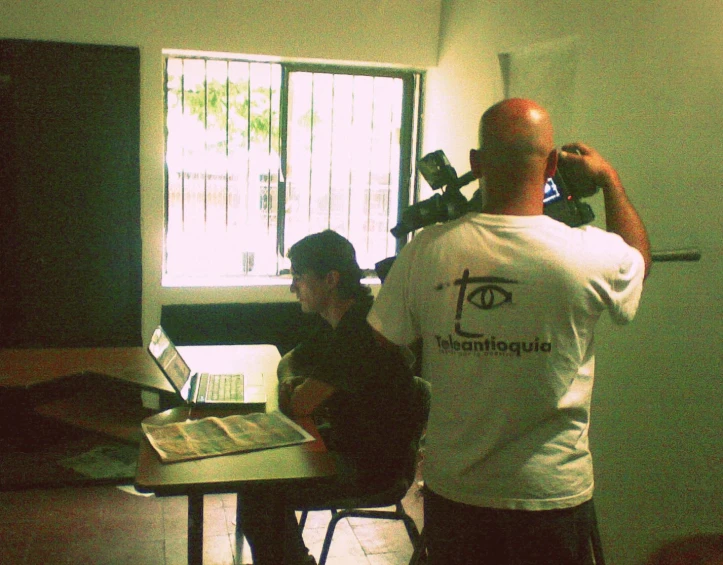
[{"x": 505, "y": 302}]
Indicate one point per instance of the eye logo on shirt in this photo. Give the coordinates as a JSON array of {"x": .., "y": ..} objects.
[
  {"x": 490, "y": 293},
  {"x": 489, "y": 296},
  {"x": 485, "y": 293}
]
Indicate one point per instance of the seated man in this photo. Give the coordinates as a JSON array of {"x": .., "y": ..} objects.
[{"x": 344, "y": 378}]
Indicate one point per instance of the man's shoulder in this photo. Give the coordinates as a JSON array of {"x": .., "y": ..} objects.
[
  {"x": 594, "y": 240},
  {"x": 432, "y": 234}
]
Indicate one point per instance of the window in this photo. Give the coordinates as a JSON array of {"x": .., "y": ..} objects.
[{"x": 261, "y": 154}]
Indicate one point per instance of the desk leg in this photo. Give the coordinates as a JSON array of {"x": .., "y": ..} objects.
[
  {"x": 239, "y": 528},
  {"x": 195, "y": 529},
  {"x": 239, "y": 524}
]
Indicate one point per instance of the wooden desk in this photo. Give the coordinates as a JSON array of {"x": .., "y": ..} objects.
[
  {"x": 227, "y": 474},
  {"x": 61, "y": 403},
  {"x": 96, "y": 389},
  {"x": 57, "y": 404},
  {"x": 25, "y": 368}
]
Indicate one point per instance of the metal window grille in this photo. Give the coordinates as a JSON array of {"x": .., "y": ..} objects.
[{"x": 259, "y": 154}]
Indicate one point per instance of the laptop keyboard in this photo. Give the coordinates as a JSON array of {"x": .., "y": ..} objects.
[{"x": 223, "y": 387}]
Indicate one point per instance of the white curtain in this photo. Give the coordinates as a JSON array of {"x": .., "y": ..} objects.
[{"x": 545, "y": 72}]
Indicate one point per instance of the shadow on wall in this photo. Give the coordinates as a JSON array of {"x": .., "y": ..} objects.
[{"x": 699, "y": 549}]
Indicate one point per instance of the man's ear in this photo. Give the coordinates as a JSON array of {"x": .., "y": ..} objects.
[
  {"x": 551, "y": 165},
  {"x": 475, "y": 162},
  {"x": 332, "y": 278}
]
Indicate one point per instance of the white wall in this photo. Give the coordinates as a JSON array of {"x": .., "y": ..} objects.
[
  {"x": 394, "y": 32},
  {"x": 649, "y": 95}
]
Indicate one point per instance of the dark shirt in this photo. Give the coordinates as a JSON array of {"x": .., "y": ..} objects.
[{"x": 370, "y": 412}]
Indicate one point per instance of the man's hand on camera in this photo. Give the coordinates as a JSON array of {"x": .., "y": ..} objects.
[
  {"x": 620, "y": 215},
  {"x": 585, "y": 161}
]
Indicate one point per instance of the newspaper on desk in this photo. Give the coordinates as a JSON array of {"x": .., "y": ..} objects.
[{"x": 213, "y": 436}]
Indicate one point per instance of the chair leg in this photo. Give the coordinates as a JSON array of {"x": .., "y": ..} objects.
[
  {"x": 400, "y": 513},
  {"x": 302, "y": 520},
  {"x": 409, "y": 524},
  {"x": 420, "y": 551},
  {"x": 335, "y": 517}
]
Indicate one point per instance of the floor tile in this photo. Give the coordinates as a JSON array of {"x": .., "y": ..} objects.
[
  {"x": 15, "y": 542},
  {"x": 382, "y": 536},
  {"x": 105, "y": 552},
  {"x": 397, "y": 558},
  {"x": 108, "y": 526},
  {"x": 344, "y": 543},
  {"x": 217, "y": 550}
]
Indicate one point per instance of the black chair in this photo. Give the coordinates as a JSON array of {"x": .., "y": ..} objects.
[{"x": 376, "y": 505}]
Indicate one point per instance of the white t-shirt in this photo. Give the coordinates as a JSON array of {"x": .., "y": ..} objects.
[{"x": 506, "y": 307}]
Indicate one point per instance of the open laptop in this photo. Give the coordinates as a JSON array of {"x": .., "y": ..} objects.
[{"x": 204, "y": 388}]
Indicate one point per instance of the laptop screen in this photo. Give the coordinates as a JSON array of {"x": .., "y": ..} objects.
[{"x": 167, "y": 356}]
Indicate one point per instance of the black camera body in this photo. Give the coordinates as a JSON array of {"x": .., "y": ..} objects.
[
  {"x": 442, "y": 207},
  {"x": 561, "y": 198}
]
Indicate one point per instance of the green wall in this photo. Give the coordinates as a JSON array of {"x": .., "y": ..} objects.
[{"x": 647, "y": 95}]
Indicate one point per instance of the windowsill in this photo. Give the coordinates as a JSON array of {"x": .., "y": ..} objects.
[{"x": 170, "y": 281}]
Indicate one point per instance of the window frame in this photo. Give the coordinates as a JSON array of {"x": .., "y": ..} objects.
[{"x": 413, "y": 82}]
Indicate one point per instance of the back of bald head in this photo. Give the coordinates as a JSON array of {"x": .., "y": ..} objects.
[{"x": 515, "y": 135}]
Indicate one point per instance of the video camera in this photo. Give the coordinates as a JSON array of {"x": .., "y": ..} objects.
[
  {"x": 447, "y": 205},
  {"x": 561, "y": 199}
]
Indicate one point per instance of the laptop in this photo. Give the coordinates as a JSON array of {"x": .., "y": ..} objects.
[{"x": 204, "y": 388}]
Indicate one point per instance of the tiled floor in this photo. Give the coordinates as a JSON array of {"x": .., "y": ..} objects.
[{"x": 108, "y": 526}]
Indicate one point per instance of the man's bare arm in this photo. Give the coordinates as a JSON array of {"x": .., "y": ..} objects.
[
  {"x": 299, "y": 395},
  {"x": 622, "y": 218},
  {"x": 620, "y": 214},
  {"x": 288, "y": 381},
  {"x": 308, "y": 396},
  {"x": 285, "y": 367}
]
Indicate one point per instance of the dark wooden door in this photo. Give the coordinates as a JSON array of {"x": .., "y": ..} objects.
[{"x": 70, "y": 239}]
